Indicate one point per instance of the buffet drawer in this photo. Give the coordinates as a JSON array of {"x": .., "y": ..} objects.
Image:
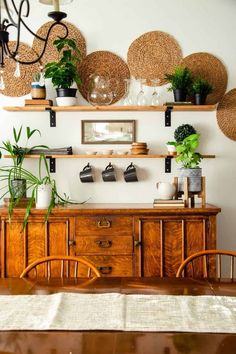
[
  {"x": 113, "y": 266},
  {"x": 104, "y": 225},
  {"x": 104, "y": 244}
]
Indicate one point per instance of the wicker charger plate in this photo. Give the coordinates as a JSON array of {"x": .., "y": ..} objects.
[
  {"x": 19, "y": 86},
  {"x": 207, "y": 66},
  {"x": 107, "y": 65},
  {"x": 51, "y": 53},
  {"x": 153, "y": 55},
  {"x": 226, "y": 114}
]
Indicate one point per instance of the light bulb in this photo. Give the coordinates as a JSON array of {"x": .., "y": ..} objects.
[
  {"x": 17, "y": 71},
  {"x": 2, "y": 84}
]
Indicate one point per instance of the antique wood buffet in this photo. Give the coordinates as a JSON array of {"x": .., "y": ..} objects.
[{"x": 121, "y": 239}]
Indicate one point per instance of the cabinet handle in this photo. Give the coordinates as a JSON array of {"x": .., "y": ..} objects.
[
  {"x": 104, "y": 224},
  {"x": 72, "y": 243},
  {"x": 105, "y": 270},
  {"x": 137, "y": 243},
  {"x": 104, "y": 243}
]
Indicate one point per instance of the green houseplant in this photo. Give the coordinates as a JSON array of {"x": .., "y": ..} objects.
[
  {"x": 34, "y": 185},
  {"x": 181, "y": 81},
  {"x": 189, "y": 159},
  {"x": 18, "y": 153},
  {"x": 180, "y": 134},
  {"x": 201, "y": 88},
  {"x": 63, "y": 72}
]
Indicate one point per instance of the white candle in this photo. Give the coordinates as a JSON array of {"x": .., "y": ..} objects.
[{"x": 56, "y": 5}]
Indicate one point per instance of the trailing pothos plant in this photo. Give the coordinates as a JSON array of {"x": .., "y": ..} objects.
[
  {"x": 33, "y": 181},
  {"x": 186, "y": 151}
]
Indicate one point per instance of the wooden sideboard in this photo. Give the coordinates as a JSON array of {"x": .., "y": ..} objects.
[{"x": 121, "y": 239}]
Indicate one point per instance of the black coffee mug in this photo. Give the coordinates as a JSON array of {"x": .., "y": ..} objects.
[
  {"x": 130, "y": 174},
  {"x": 86, "y": 175},
  {"x": 108, "y": 175}
]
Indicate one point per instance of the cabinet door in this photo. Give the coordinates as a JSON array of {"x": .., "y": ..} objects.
[
  {"x": 39, "y": 239},
  {"x": 163, "y": 243}
]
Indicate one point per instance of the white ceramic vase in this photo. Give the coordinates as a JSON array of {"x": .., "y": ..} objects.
[{"x": 44, "y": 194}]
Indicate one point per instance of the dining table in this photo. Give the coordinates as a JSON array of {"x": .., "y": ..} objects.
[{"x": 113, "y": 340}]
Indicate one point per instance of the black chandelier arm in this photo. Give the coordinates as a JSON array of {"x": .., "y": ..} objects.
[
  {"x": 26, "y": 15},
  {"x": 9, "y": 13},
  {"x": 12, "y": 55}
]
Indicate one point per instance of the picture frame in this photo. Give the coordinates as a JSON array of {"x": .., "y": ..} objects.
[{"x": 108, "y": 131}]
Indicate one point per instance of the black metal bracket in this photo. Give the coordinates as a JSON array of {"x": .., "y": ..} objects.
[
  {"x": 52, "y": 117},
  {"x": 168, "y": 116},
  {"x": 168, "y": 164},
  {"x": 52, "y": 164}
]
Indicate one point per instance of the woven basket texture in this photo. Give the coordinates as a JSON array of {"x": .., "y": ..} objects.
[
  {"x": 226, "y": 114},
  {"x": 152, "y": 55}
]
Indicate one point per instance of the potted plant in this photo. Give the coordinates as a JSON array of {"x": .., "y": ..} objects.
[
  {"x": 41, "y": 189},
  {"x": 38, "y": 89},
  {"x": 63, "y": 72},
  {"x": 180, "y": 134},
  {"x": 18, "y": 153},
  {"x": 190, "y": 160},
  {"x": 181, "y": 81},
  {"x": 201, "y": 88}
]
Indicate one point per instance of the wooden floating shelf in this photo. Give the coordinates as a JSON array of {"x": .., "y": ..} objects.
[
  {"x": 161, "y": 108},
  {"x": 98, "y": 156}
]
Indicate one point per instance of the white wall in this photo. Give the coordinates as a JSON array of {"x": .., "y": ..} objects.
[{"x": 112, "y": 25}]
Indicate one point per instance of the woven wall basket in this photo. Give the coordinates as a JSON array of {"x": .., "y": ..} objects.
[
  {"x": 108, "y": 65},
  {"x": 226, "y": 114},
  {"x": 153, "y": 55},
  {"x": 51, "y": 53},
  {"x": 207, "y": 66},
  {"x": 19, "y": 86}
]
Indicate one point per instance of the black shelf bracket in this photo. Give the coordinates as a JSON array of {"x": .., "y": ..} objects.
[
  {"x": 52, "y": 164},
  {"x": 52, "y": 117},
  {"x": 168, "y": 164},
  {"x": 168, "y": 116}
]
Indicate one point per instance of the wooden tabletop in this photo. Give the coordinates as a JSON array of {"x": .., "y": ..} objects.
[{"x": 113, "y": 342}]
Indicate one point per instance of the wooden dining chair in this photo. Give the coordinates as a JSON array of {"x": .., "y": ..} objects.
[
  {"x": 210, "y": 262},
  {"x": 62, "y": 267}
]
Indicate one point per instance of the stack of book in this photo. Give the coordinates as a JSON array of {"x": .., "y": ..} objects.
[
  {"x": 54, "y": 151},
  {"x": 169, "y": 203},
  {"x": 35, "y": 102}
]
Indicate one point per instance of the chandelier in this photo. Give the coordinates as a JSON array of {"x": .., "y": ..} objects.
[{"x": 14, "y": 15}]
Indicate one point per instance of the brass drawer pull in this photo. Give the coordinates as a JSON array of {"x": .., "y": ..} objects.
[
  {"x": 104, "y": 243},
  {"x": 137, "y": 243},
  {"x": 72, "y": 243},
  {"x": 104, "y": 224},
  {"x": 105, "y": 270}
]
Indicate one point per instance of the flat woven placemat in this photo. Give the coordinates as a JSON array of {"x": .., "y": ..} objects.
[
  {"x": 19, "y": 86},
  {"x": 153, "y": 55},
  {"x": 207, "y": 66},
  {"x": 51, "y": 53},
  {"x": 226, "y": 114},
  {"x": 107, "y": 65}
]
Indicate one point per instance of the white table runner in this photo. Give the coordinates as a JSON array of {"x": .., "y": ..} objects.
[{"x": 162, "y": 313}]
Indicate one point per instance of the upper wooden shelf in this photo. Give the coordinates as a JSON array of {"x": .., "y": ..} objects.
[
  {"x": 89, "y": 156},
  {"x": 161, "y": 108}
]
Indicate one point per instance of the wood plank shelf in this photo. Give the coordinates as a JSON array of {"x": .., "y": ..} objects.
[
  {"x": 112, "y": 156},
  {"x": 161, "y": 108}
]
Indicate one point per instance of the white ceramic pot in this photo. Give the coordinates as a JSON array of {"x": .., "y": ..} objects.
[
  {"x": 171, "y": 149},
  {"x": 44, "y": 194},
  {"x": 66, "y": 101},
  {"x": 165, "y": 190}
]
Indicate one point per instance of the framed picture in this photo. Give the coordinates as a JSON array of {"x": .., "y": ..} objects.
[{"x": 108, "y": 131}]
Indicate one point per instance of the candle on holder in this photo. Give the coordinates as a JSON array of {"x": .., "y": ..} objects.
[{"x": 56, "y": 5}]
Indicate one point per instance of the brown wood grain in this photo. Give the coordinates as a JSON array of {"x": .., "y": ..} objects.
[{"x": 104, "y": 244}]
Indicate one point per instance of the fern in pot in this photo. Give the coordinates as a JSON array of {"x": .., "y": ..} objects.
[
  {"x": 181, "y": 81},
  {"x": 63, "y": 72}
]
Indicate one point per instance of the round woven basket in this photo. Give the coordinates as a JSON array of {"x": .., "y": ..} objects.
[
  {"x": 51, "y": 52},
  {"x": 19, "y": 86},
  {"x": 226, "y": 114},
  {"x": 153, "y": 55},
  {"x": 207, "y": 66},
  {"x": 108, "y": 65}
]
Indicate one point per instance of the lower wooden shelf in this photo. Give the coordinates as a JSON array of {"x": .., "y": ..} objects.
[{"x": 112, "y": 156}]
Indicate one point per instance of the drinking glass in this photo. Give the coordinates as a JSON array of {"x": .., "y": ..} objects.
[
  {"x": 127, "y": 99},
  {"x": 155, "y": 99},
  {"x": 141, "y": 98}
]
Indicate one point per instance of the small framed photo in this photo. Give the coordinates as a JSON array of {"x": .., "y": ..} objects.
[{"x": 108, "y": 131}]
